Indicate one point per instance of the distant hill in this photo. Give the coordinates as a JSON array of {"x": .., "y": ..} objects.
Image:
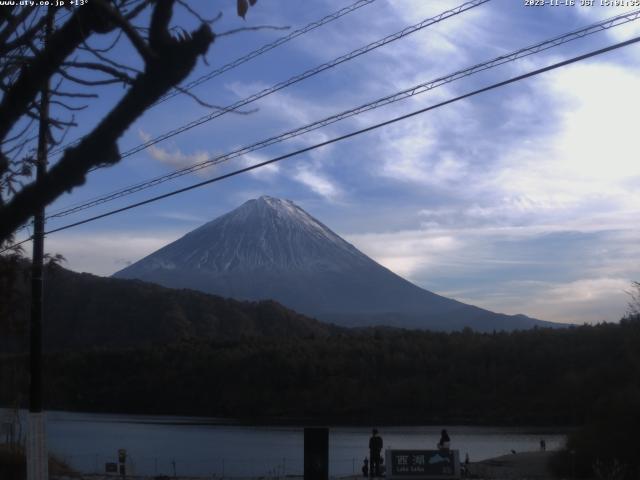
[
  {"x": 270, "y": 248},
  {"x": 84, "y": 310}
]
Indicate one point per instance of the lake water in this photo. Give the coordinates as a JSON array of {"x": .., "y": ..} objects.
[{"x": 196, "y": 446}]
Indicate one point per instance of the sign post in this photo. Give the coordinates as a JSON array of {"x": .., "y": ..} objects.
[
  {"x": 422, "y": 464},
  {"x": 316, "y": 453},
  {"x": 122, "y": 461}
]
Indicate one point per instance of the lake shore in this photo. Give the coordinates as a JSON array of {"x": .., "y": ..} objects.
[
  {"x": 523, "y": 465},
  {"x": 513, "y": 466}
]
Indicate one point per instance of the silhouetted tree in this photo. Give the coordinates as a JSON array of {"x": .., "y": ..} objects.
[
  {"x": 633, "y": 309},
  {"x": 27, "y": 62},
  {"x": 13, "y": 277}
]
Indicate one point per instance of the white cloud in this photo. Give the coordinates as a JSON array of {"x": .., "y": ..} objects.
[
  {"x": 584, "y": 164},
  {"x": 183, "y": 217},
  {"x": 176, "y": 159},
  {"x": 576, "y": 161},
  {"x": 598, "y": 13},
  {"x": 266, "y": 172},
  {"x": 106, "y": 253},
  {"x": 282, "y": 106},
  {"x": 318, "y": 182},
  {"x": 502, "y": 268},
  {"x": 407, "y": 252},
  {"x": 444, "y": 38},
  {"x": 551, "y": 155},
  {"x": 589, "y": 300},
  {"x": 414, "y": 151}
]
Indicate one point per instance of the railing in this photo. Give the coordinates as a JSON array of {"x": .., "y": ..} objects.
[{"x": 93, "y": 466}]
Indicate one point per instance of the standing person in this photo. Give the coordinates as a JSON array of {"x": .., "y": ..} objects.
[
  {"x": 383, "y": 469},
  {"x": 445, "y": 441},
  {"x": 375, "y": 447},
  {"x": 365, "y": 467}
]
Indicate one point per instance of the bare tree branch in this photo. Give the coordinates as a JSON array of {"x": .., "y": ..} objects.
[
  {"x": 161, "y": 73},
  {"x": 29, "y": 63},
  {"x": 13, "y": 23},
  {"x": 28, "y": 36},
  {"x": 213, "y": 107},
  {"x": 19, "y": 146},
  {"x": 197, "y": 15},
  {"x": 18, "y": 135},
  {"x": 90, "y": 83},
  {"x": 114, "y": 72},
  {"x": 138, "y": 42},
  {"x": 86, "y": 46},
  {"x": 111, "y": 62},
  {"x": 33, "y": 76},
  {"x": 250, "y": 29},
  {"x": 66, "y": 106},
  {"x": 74, "y": 94}
]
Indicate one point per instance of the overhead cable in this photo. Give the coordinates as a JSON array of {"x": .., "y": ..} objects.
[
  {"x": 307, "y": 74},
  {"x": 265, "y": 48},
  {"x": 348, "y": 135},
  {"x": 248, "y": 57},
  {"x": 409, "y": 92}
]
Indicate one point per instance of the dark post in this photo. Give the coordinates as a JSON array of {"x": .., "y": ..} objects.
[
  {"x": 316, "y": 454},
  {"x": 35, "y": 390},
  {"x": 122, "y": 462},
  {"x": 37, "y": 461}
]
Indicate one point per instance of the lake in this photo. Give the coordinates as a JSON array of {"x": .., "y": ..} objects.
[{"x": 156, "y": 445}]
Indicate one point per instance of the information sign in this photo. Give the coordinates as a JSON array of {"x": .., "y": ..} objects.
[{"x": 416, "y": 464}]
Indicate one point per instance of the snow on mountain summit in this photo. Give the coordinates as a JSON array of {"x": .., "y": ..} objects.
[
  {"x": 269, "y": 248},
  {"x": 264, "y": 233}
]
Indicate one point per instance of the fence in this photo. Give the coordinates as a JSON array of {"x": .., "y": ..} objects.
[{"x": 212, "y": 467}]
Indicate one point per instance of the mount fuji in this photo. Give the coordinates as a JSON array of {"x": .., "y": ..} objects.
[{"x": 270, "y": 248}]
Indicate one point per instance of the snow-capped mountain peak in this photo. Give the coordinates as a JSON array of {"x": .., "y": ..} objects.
[
  {"x": 264, "y": 233},
  {"x": 269, "y": 248}
]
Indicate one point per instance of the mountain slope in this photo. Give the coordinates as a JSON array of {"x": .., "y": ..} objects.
[
  {"x": 272, "y": 249},
  {"x": 84, "y": 310}
]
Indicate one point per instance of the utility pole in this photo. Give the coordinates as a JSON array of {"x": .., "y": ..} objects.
[{"x": 37, "y": 454}]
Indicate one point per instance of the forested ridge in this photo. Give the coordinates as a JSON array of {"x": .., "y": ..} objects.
[
  {"x": 134, "y": 347},
  {"x": 84, "y": 310},
  {"x": 541, "y": 376}
]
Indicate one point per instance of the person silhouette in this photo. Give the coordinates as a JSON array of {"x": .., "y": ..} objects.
[
  {"x": 365, "y": 467},
  {"x": 375, "y": 447},
  {"x": 383, "y": 469},
  {"x": 445, "y": 441}
]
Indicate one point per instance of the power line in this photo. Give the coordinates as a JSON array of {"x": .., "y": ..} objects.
[
  {"x": 265, "y": 48},
  {"x": 248, "y": 57},
  {"x": 303, "y": 76},
  {"x": 307, "y": 74},
  {"x": 17, "y": 244},
  {"x": 349, "y": 135},
  {"x": 412, "y": 91}
]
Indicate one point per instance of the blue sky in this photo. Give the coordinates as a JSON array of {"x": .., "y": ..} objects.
[{"x": 520, "y": 200}]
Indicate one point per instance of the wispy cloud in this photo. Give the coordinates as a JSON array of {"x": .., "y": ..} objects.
[
  {"x": 105, "y": 253},
  {"x": 551, "y": 272},
  {"x": 183, "y": 217},
  {"x": 599, "y": 12},
  {"x": 524, "y": 199},
  {"x": 407, "y": 252},
  {"x": 319, "y": 183},
  {"x": 267, "y": 172},
  {"x": 176, "y": 158}
]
